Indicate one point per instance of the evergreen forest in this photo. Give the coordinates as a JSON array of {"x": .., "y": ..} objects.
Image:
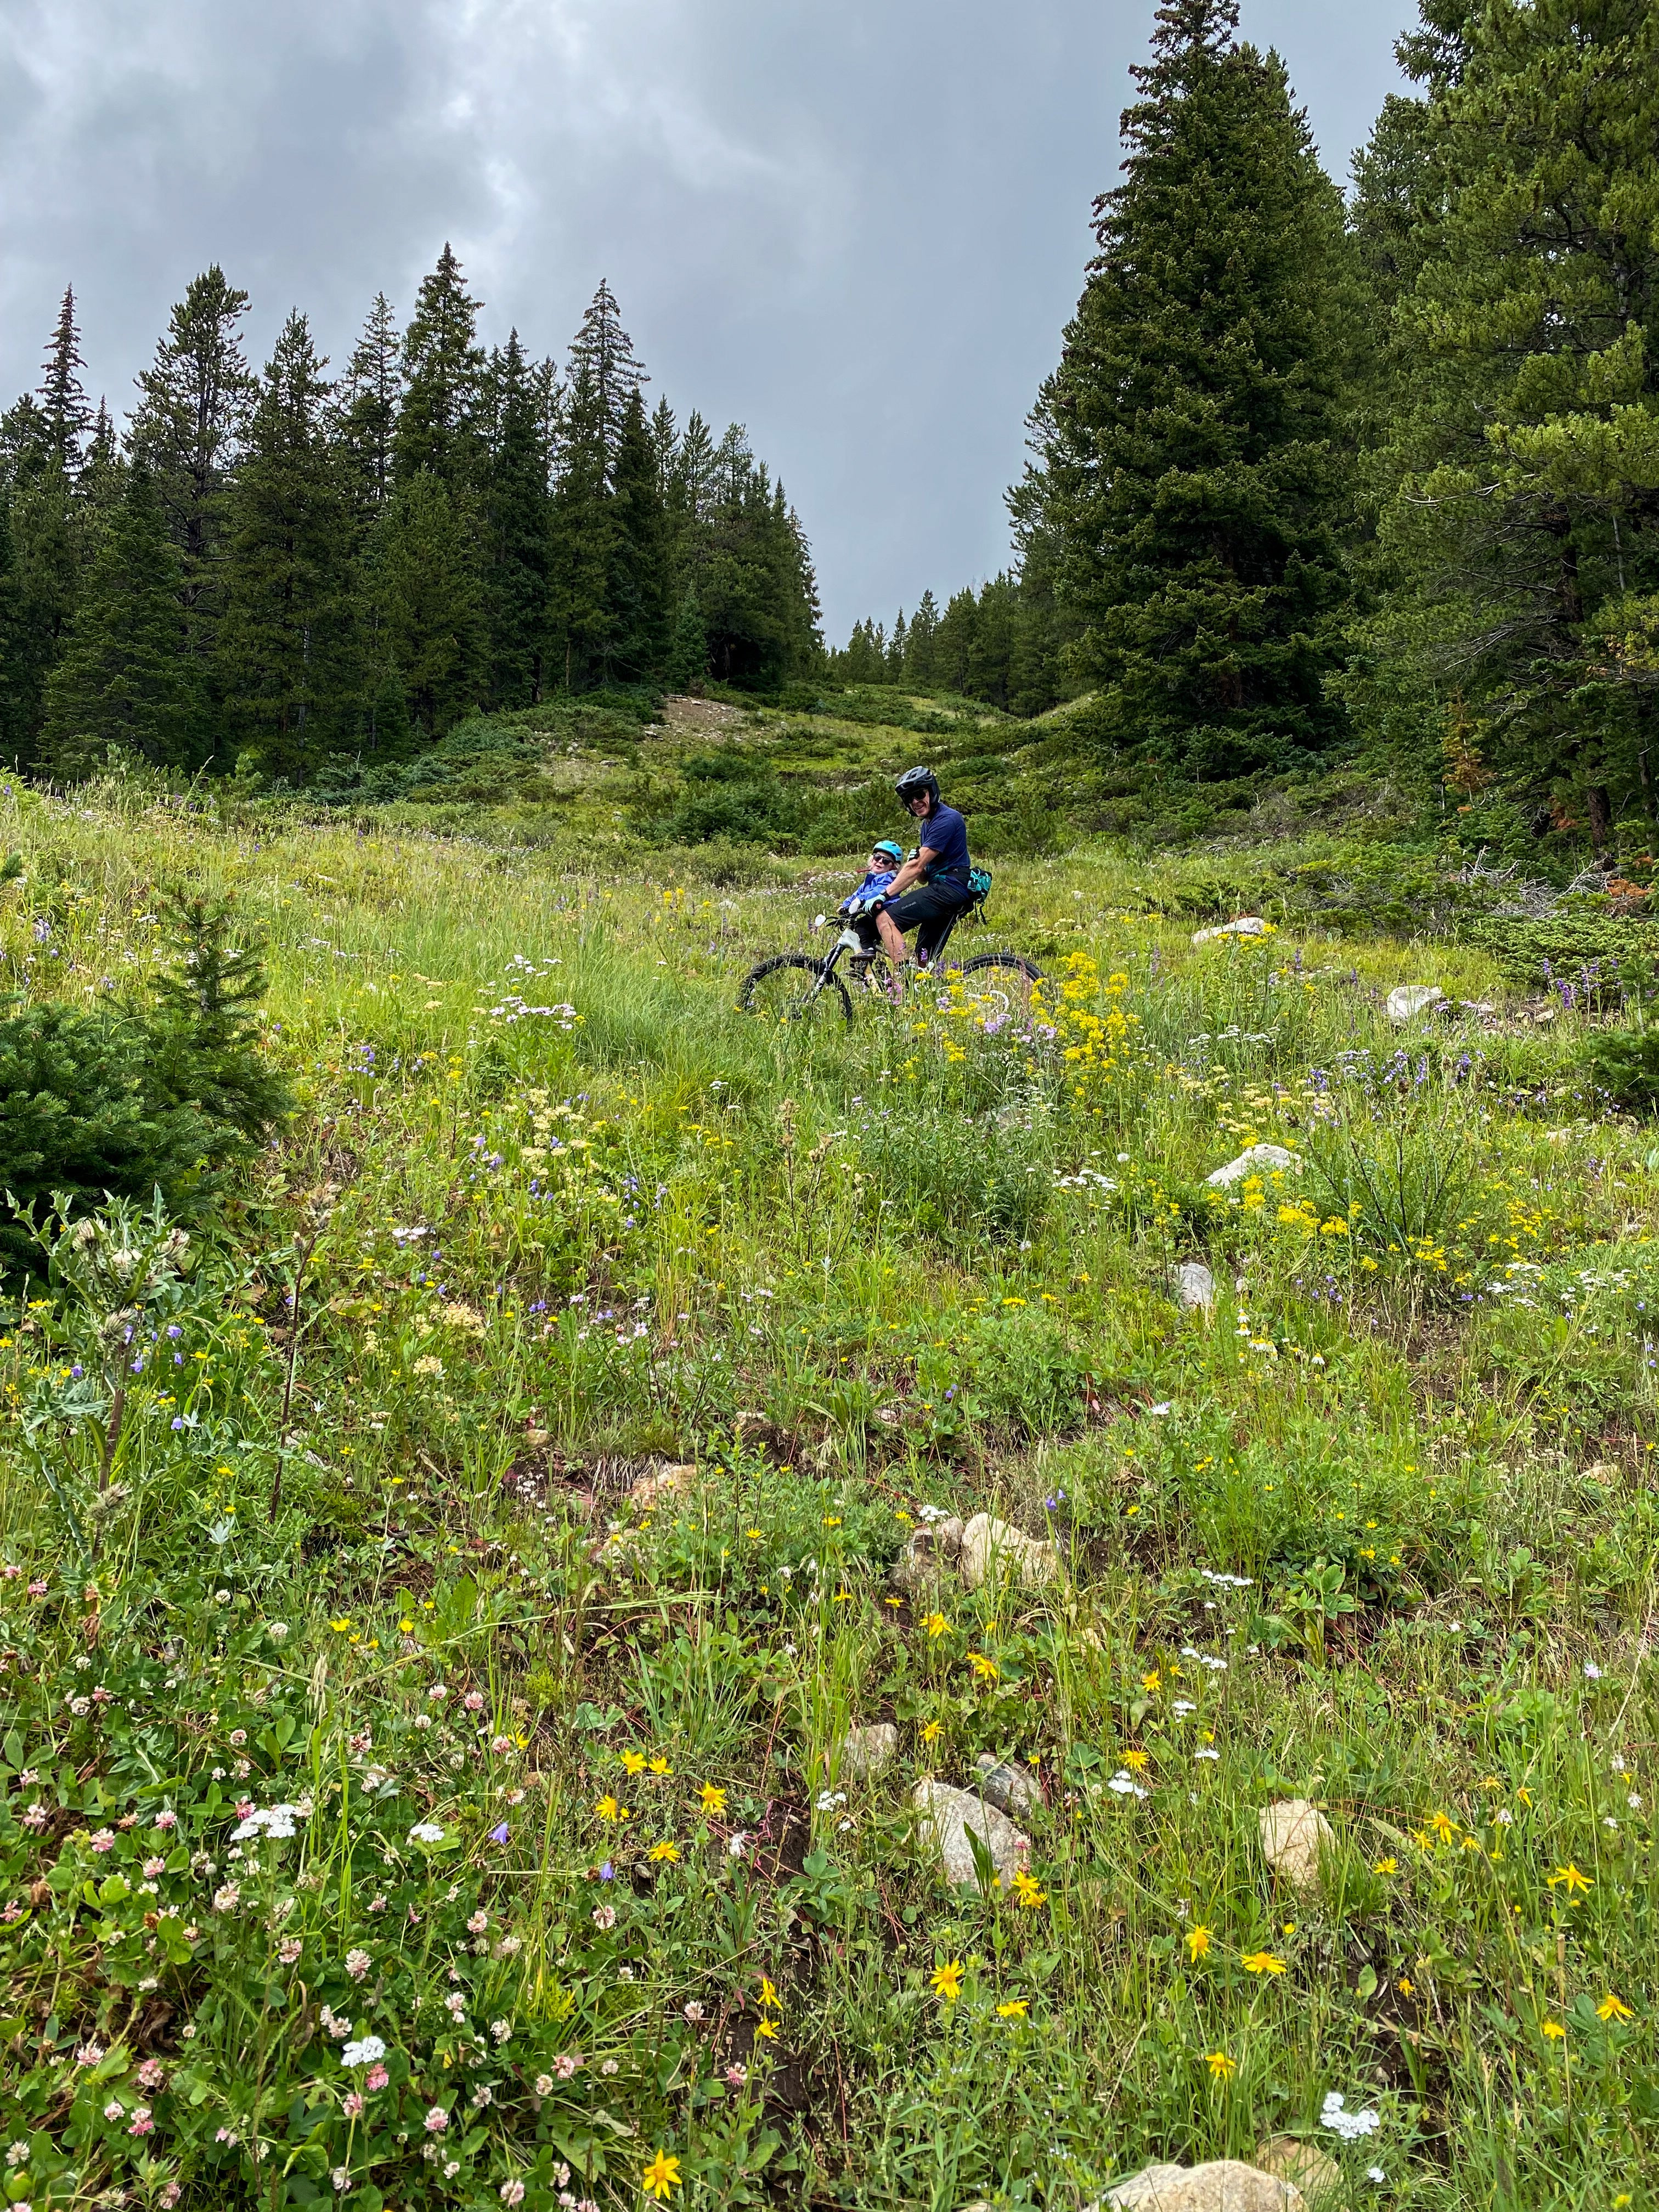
[
  {"x": 1375, "y": 476},
  {"x": 270, "y": 570}
]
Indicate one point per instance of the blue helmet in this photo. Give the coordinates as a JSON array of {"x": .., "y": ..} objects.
[{"x": 888, "y": 851}]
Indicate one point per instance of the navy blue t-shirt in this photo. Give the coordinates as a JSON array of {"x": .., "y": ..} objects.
[{"x": 946, "y": 832}]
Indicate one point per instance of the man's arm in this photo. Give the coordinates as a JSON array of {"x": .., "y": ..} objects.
[{"x": 909, "y": 874}]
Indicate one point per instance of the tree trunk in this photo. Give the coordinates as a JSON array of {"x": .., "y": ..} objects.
[{"x": 1601, "y": 816}]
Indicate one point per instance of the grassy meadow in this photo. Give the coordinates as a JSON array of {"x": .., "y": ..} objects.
[{"x": 408, "y": 1803}]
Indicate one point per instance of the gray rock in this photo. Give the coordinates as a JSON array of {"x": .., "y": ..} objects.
[
  {"x": 1224, "y": 2184},
  {"x": 930, "y": 1546},
  {"x": 948, "y": 1815},
  {"x": 1244, "y": 925},
  {"x": 1259, "y": 1159},
  {"x": 990, "y": 1547},
  {"x": 1293, "y": 1834},
  {"x": 1289, "y": 2158},
  {"x": 650, "y": 1490},
  {"x": 868, "y": 1752},
  {"x": 1012, "y": 1790},
  {"x": 1406, "y": 1000},
  {"x": 1194, "y": 1286}
]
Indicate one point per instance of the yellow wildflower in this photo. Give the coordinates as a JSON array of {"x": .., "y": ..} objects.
[
  {"x": 661, "y": 2177},
  {"x": 947, "y": 1980}
]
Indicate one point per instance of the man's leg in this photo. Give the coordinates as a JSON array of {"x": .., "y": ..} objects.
[{"x": 892, "y": 937}]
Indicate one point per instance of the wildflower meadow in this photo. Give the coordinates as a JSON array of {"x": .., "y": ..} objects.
[{"x": 487, "y": 1573}]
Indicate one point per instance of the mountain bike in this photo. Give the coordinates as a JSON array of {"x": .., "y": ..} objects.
[{"x": 792, "y": 986}]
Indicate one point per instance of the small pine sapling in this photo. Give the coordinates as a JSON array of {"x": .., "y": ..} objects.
[{"x": 205, "y": 1028}]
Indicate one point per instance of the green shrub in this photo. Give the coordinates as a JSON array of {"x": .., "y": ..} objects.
[
  {"x": 1583, "y": 946},
  {"x": 78, "y": 1116},
  {"x": 1624, "y": 1063},
  {"x": 121, "y": 1104}
]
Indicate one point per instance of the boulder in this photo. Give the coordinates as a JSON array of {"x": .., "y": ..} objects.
[
  {"x": 1243, "y": 925},
  {"x": 662, "y": 1482},
  {"x": 1224, "y": 2184},
  {"x": 930, "y": 1546},
  {"x": 1194, "y": 1286},
  {"x": 991, "y": 1547},
  {"x": 948, "y": 1815},
  {"x": 1011, "y": 1788},
  {"x": 1293, "y": 1834},
  {"x": 1406, "y": 1000},
  {"x": 1318, "y": 2178},
  {"x": 867, "y": 1752},
  {"x": 1260, "y": 1159}
]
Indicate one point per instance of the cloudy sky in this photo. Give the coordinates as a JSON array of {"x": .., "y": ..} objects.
[{"x": 855, "y": 225}]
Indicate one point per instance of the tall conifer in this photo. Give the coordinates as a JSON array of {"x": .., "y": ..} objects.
[
  {"x": 1189, "y": 457},
  {"x": 63, "y": 400},
  {"x": 1521, "y": 523},
  {"x": 443, "y": 367},
  {"x": 426, "y": 619},
  {"x": 366, "y": 402},
  {"x": 16, "y": 691},
  {"x": 638, "y": 589},
  {"x": 516, "y": 534},
  {"x": 186, "y": 434},
  {"x": 286, "y": 665},
  {"x": 127, "y": 678}
]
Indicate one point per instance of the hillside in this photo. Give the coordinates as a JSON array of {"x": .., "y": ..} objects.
[{"x": 442, "y": 1601}]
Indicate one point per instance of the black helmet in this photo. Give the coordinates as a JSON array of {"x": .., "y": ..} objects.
[{"x": 914, "y": 781}]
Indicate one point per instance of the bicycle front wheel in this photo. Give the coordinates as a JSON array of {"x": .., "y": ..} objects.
[
  {"x": 995, "y": 987},
  {"x": 790, "y": 987}
]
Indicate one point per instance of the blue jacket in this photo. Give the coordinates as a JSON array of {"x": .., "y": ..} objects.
[{"x": 872, "y": 887}]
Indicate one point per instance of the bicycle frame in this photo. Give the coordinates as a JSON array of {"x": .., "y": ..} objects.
[{"x": 848, "y": 940}]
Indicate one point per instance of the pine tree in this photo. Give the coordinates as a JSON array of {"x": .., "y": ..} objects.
[
  {"x": 637, "y": 594},
  {"x": 1520, "y": 528},
  {"x": 204, "y": 1040},
  {"x": 50, "y": 551},
  {"x": 62, "y": 397},
  {"x": 603, "y": 347},
  {"x": 186, "y": 434},
  {"x": 517, "y": 532},
  {"x": 918, "y": 669},
  {"x": 16, "y": 689},
  {"x": 426, "y": 616},
  {"x": 582, "y": 528},
  {"x": 443, "y": 367},
  {"x": 1188, "y": 444},
  {"x": 953, "y": 642},
  {"x": 126, "y": 678},
  {"x": 366, "y": 401},
  {"x": 990, "y": 655},
  {"x": 286, "y": 663},
  {"x": 604, "y": 380},
  {"x": 688, "y": 648}
]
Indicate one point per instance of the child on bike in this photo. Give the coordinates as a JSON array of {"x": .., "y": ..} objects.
[{"x": 886, "y": 859}]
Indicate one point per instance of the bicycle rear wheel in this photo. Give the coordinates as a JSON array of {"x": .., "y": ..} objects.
[
  {"x": 995, "y": 987},
  {"x": 790, "y": 987}
]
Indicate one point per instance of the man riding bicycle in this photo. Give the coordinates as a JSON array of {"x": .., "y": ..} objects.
[{"x": 939, "y": 872}]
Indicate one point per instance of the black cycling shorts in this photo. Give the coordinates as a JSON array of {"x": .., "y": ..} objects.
[{"x": 927, "y": 907}]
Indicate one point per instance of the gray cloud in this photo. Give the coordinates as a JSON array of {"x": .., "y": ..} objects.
[{"x": 858, "y": 228}]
